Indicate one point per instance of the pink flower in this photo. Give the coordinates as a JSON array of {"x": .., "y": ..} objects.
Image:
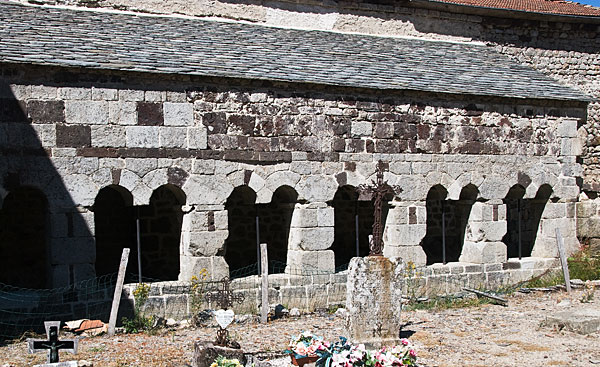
[
  {"x": 412, "y": 353},
  {"x": 405, "y": 342},
  {"x": 301, "y": 349}
]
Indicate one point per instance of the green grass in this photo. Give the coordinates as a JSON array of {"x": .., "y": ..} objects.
[{"x": 444, "y": 303}]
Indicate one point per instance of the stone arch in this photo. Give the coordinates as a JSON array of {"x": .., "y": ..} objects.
[
  {"x": 23, "y": 238},
  {"x": 274, "y": 224},
  {"x": 160, "y": 232},
  {"x": 241, "y": 248},
  {"x": 446, "y": 223},
  {"x": 353, "y": 223},
  {"x": 523, "y": 217},
  {"x": 114, "y": 222}
]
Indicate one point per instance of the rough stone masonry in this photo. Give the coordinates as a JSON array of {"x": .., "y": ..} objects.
[{"x": 106, "y": 121}]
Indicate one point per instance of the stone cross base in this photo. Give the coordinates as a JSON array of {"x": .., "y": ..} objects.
[
  {"x": 374, "y": 300},
  {"x": 205, "y": 354}
]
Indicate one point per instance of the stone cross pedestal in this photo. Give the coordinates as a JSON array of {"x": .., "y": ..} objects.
[{"x": 374, "y": 300}]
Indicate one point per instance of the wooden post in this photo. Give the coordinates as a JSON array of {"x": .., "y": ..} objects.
[
  {"x": 563, "y": 259},
  {"x": 264, "y": 309},
  {"x": 118, "y": 290}
]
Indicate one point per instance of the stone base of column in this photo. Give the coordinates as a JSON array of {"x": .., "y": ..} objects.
[{"x": 374, "y": 300}]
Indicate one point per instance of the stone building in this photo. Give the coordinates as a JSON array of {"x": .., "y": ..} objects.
[{"x": 210, "y": 135}]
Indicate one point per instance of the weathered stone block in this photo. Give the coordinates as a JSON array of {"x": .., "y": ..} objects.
[
  {"x": 178, "y": 114},
  {"x": 108, "y": 136},
  {"x": 205, "y": 354},
  {"x": 46, "y": 111},
  {"x": 86, "y": 112},
  {"x": 205, "y": 243},
  {"x": 122, "y": 113},
  {"x": 374, "y": 299},
  {"x": 192, "y": 265},
  {"x": 404, "y": 235},
  {"x": 310, "y": 262},
  {"x": 317, "y": 188},
  {"x": 580, "y": 321},
  {"x": 490, "y": 231},
  {"x": 311, "y": 239},
  {"x": 414, "y": 254},
  {"x": 142, "y": 137},
  {"x": 361, "y": 128},
  {"x": 172, "y": 137},
  {"x": 150, "y": 113},
  {"x": 197, "y": 137},
  {"x": 73, "y": 136},
  {"x": 483, "y": 252}
]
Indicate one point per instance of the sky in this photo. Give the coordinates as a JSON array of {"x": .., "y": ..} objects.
[{"x": 589, "y": 2}]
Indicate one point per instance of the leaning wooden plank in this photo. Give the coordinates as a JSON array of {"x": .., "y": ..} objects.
[{"x": 503, "y": 301}]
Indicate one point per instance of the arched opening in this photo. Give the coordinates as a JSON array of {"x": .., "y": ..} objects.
[
  {"x": 446, "y": 223},
  {"x": 274, "y": 225},
  {"x": 240, "y": 246},
  {"x": 160, "y": 233},
  {"x": 523, "y": 218},
  {"x": 114, "y": 222},
  {"x": 23, "y": 234},
  {"x": 353, "y": 223}
]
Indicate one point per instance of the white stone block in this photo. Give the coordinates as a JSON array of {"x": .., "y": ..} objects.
[
  {"x": 307, "y": 262},
  {"x": 192, "y": 265},
  {"x": 86, "y": 112},
  {"x": 76, "y": 94},
  {"x": 325, "y": 217},
  {"x": 202, "y": 189},
  {"x": 143, "y": 137},
  {"x": 178, "y": 114},
  {"x": 404, "y": 234},
  {"x": 304, "y": 217},
  {"x": 108, "y": 136},
  {"x": 311, "y": 239},
  {"x": 122, "y": 113},
  {"x": 414, "y": 254},
  {"x": 361, "y": 128},
  {"x": 491, "y": 231},
  {"x": 44, "y": 92},
  {"x": 104, "y": 94},
  {"x": 129, "y": 95},
  {"x": 205, "y": 243},
  {"x": 172, "y": 137},
  {"x": 571, "y": 146},
  {"x": 317, "y": 188},
  {"x": 567, "y": 129},
  {"x": 197, "y": 137},
  {"x": 483, "y": 252}
]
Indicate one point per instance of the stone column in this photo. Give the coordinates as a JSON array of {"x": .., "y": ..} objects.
[
  {"x": 483, "y": 236},
  {"x": 374, "y": 300},
  {"x": 556, "y": 215},
  {"x": 405, "y": 228},
  {"x": 203, "y": 235},
  {"x": 72, "y": 246},
  {"x": 311, "y": 236}
]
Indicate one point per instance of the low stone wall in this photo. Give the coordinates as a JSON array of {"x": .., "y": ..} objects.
[{"x": 312, "y": 292}]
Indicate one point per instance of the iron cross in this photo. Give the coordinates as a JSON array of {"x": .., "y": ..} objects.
[
  {"x": 53, "y": 345},
  {"x": 379, "y": 189},
  {"x": 224, "y": 297}
]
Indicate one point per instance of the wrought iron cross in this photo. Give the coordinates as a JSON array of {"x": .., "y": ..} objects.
[
  {"x": 52, "y": 345},
  {"x": 224, "y": 297},
  {"x": 378, "y": 189}
]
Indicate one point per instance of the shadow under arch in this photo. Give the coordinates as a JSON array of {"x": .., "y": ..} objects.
[
  {"x": 353, "y": 223},
  {"x": 275, "y": 219},
  {"x": 523, "y": 217},
  {"x": 114, "y": 221},
  {"x": 446, "y": 223},
  {"x": 240, "y": 246},
  {"x": 160, "y": 232},
  {"x": 24, "y": 251}
]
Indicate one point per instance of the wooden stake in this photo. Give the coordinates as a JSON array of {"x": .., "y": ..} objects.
[
  {"x": 563, "y": 259},
  {"x": 118, "y": 290},
  {"x": 264, "y": 265}
]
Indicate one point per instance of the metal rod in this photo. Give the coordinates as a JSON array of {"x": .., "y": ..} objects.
[
  {"x": 258, "y": 242},
  {"x": 356, "y": 229},
  {"x": 443, "y": 233},
  {"x": 519, "y": 225},
  {"x": 139, "y": 246}
]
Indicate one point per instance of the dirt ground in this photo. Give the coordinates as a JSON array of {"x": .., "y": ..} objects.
[{"x": 485, "y": 335}]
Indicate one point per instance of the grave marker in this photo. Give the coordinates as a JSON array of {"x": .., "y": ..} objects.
[
  {"x": 224, "y": 299},
  {"x": 52, "y": 345}
]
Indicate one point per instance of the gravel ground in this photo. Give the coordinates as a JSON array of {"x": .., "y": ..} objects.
[{"x": 486, "y": 335}]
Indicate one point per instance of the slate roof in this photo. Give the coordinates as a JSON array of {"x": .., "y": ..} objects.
[
  {"x": 560, "y": 7},
  {"x": 117, "y": 41}
]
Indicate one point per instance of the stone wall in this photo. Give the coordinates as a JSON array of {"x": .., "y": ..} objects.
[{"x": 203, "y": 138}]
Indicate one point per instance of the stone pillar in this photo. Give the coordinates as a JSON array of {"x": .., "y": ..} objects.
[
  {"x": 483, "y": 236},
  {"x": 72, "y": 246},
  {"x": 556, "y": 215},
  {"x": 405, "y": 228},
  {"x": 311, "y": 236},
  {"x": 374, "y": 300},
  {"x": 203, "y": 235}
]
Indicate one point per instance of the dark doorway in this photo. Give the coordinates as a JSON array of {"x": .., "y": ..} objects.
[
  {"x": 274, "y": 225},
  {"x": 160, "y": 233},
  {"x": 114, "y": 221},
  {"x": 240, "y": 245},
  {"x": 353, "y": 221},
  {"x": 446, "y": 223},
  {"x": 523, "y": 219},
  {"x": 23, "y": 235}
]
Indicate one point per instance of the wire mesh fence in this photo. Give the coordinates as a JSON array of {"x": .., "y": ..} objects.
[{"x": 304, "y": 288}]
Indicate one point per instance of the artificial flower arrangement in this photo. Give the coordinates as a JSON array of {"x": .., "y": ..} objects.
[
  {"x": 310, "y": 348},
  {"x": 224, "y": 362}
]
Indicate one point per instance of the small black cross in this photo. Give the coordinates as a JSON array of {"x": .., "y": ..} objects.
[
  {"x": 224, "y": 297},
  {"x": 379, "y": 189},
  {"x": 53, "y": 345}
]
